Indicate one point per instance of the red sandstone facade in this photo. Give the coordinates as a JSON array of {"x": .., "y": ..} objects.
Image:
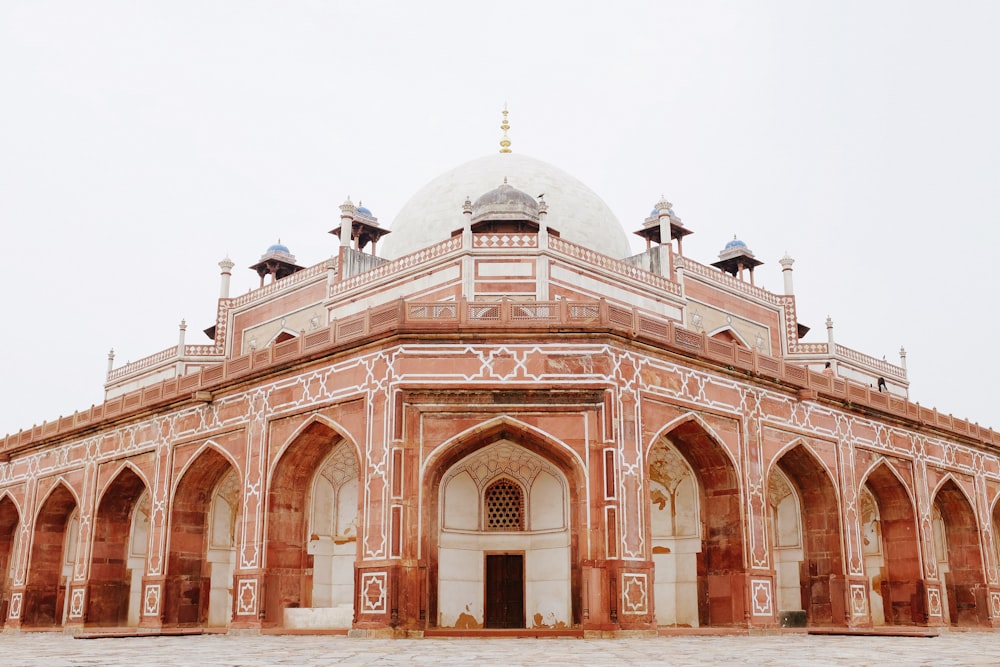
[{"x": 505, "y": 429}]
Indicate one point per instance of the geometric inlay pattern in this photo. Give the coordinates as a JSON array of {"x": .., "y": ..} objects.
[
  {"x": 760, "y": 595},
  {"x": 15, "y": 605},
  {"x": 151, "y": 600},
  {"x": 995, "y": 604},
  {"x": 859, "y": 602},
  {"x": 933, "y": 601},
  {"x": 504, "y": 506},
  {"x": 76, "y": 604},
  {"x": 373, "y": 587},
  {"x": 246, "y": 599},
  {"x": 634, "y": 598}
]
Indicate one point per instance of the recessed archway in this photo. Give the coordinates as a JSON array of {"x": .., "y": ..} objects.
[
  {"x": 697, "y": 529},
  {"x": 959, "y": 555},
  {"x": 118, "y": 554},
  {"x": 53, "y": 554},
  {"x": 891, "y": 550},
  {"x": 203, "y": 523},
  {"x": 455, "y": 508},
  {"x": 312, "y": 519},
  {"x": 10, "y": 520},
  {"x": 822, "y": 558}
]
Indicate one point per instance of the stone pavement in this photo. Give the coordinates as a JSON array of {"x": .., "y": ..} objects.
[{"x": 800, "y": 650}]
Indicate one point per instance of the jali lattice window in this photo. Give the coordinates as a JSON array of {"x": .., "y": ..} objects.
[{"x": 504, "y": 506}]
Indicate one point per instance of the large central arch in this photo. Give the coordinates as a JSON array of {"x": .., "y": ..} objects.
[{"x": 475, "y": 540}]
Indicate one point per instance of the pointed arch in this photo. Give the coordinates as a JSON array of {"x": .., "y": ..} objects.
[
  {"x": 702, "y": 424},
  {"x": 52, "y": 544},
  {"x": 10, "y": 519},
  {"x": 111, "y": 568},
  {"x": 822, "y": 549},
  {"x": 123, "y": 466},
  {"x": 310, "y": 423},
  {"x": 309, "y": 569},
  {"x": 207, "y": 446},
  {"x": 893, "y": 561},
  {"x": 716, "y": 570},
  {"x": 189, "y": 595},
  {"x": 829, "y": 475},
  {"x": 503, "y": 427},
  {"x": 60, "y": 485},
  {"x": 959, "y": 554}
]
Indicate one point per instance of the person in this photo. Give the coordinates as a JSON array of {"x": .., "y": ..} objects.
[
  {"x": 882, "y": 386},
  {"x": 827, "y": 370}
]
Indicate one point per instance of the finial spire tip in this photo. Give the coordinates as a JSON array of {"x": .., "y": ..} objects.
[{"x": 505, "y": 140}]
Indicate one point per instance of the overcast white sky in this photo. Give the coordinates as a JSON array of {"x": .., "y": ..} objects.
[{"x": 141, "y": 142}]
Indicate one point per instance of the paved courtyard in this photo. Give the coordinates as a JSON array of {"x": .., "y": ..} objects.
[{"x": 58, "y": 650}]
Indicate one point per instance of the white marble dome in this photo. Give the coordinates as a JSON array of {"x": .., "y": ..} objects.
[{"x": 575, "y": 211}]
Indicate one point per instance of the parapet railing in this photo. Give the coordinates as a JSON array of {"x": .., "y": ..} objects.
[
  {"x": 404, "y": 317},
  {"x": 191, "y": 353}
]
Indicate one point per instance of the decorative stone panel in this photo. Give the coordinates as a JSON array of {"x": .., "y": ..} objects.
[
  {"x": 151, "y": 600},
  {"x": 246, "y": 598},
  {"x": 373, "y": 592},
  {"x": 761, "y": 597},
  {"x": 635, "y": 593}
]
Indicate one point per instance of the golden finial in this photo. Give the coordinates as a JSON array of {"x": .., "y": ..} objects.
[{"x": 505, "y": 141}]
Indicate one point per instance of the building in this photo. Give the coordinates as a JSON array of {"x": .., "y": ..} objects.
[{"x": 498, "y": 417}]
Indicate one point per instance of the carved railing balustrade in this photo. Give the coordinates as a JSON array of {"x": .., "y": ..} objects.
[{"x": 563, "y": 316}]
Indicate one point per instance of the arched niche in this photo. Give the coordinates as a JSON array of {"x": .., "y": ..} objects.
[
  {"x": 204, "y": 515},
  {"x": 822, "y": 556},
  {"x": 699, "y": 569},
  {"x": 115, "y": 568},
  {"x": 312, "y": 524},
  {"x": 958, "y": 550}
]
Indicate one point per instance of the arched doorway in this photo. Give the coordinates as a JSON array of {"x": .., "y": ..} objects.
[
  {"x": 118, "y": 557},
  {"x": 960, "y": 565},
  {"x": 199, "y": 581},
  {"x": 10, "y": 519},
  {"x": 822, "y": 560},
  {"x": 696, "y": 530},
  {"x": 312, "y": 519},
  {"x": 891, "y": 550},
  {"x": 504, "y": 556},
  {"x": 53, "y": 555}
]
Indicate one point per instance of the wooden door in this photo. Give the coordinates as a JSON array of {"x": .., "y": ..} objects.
[{"x": 504, "y": 591}]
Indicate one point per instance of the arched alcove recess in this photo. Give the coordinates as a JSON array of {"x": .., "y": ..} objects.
[
  {"x": 189, "y": 576},
  {"x": 288, "y": 563},
  {"x": 10, "y": 519},
  {"x": 45, "y": 594},
  {"x": 110, "y": 578},
  {"x": 823, "y": 562},
  {"x": 520, "y": 435},
  {"x": 720, "y": 565},
  {"x": 900, "y": 583},
  {"x": 995, "y": 529},
  {"x": 965, "y": 585}
]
